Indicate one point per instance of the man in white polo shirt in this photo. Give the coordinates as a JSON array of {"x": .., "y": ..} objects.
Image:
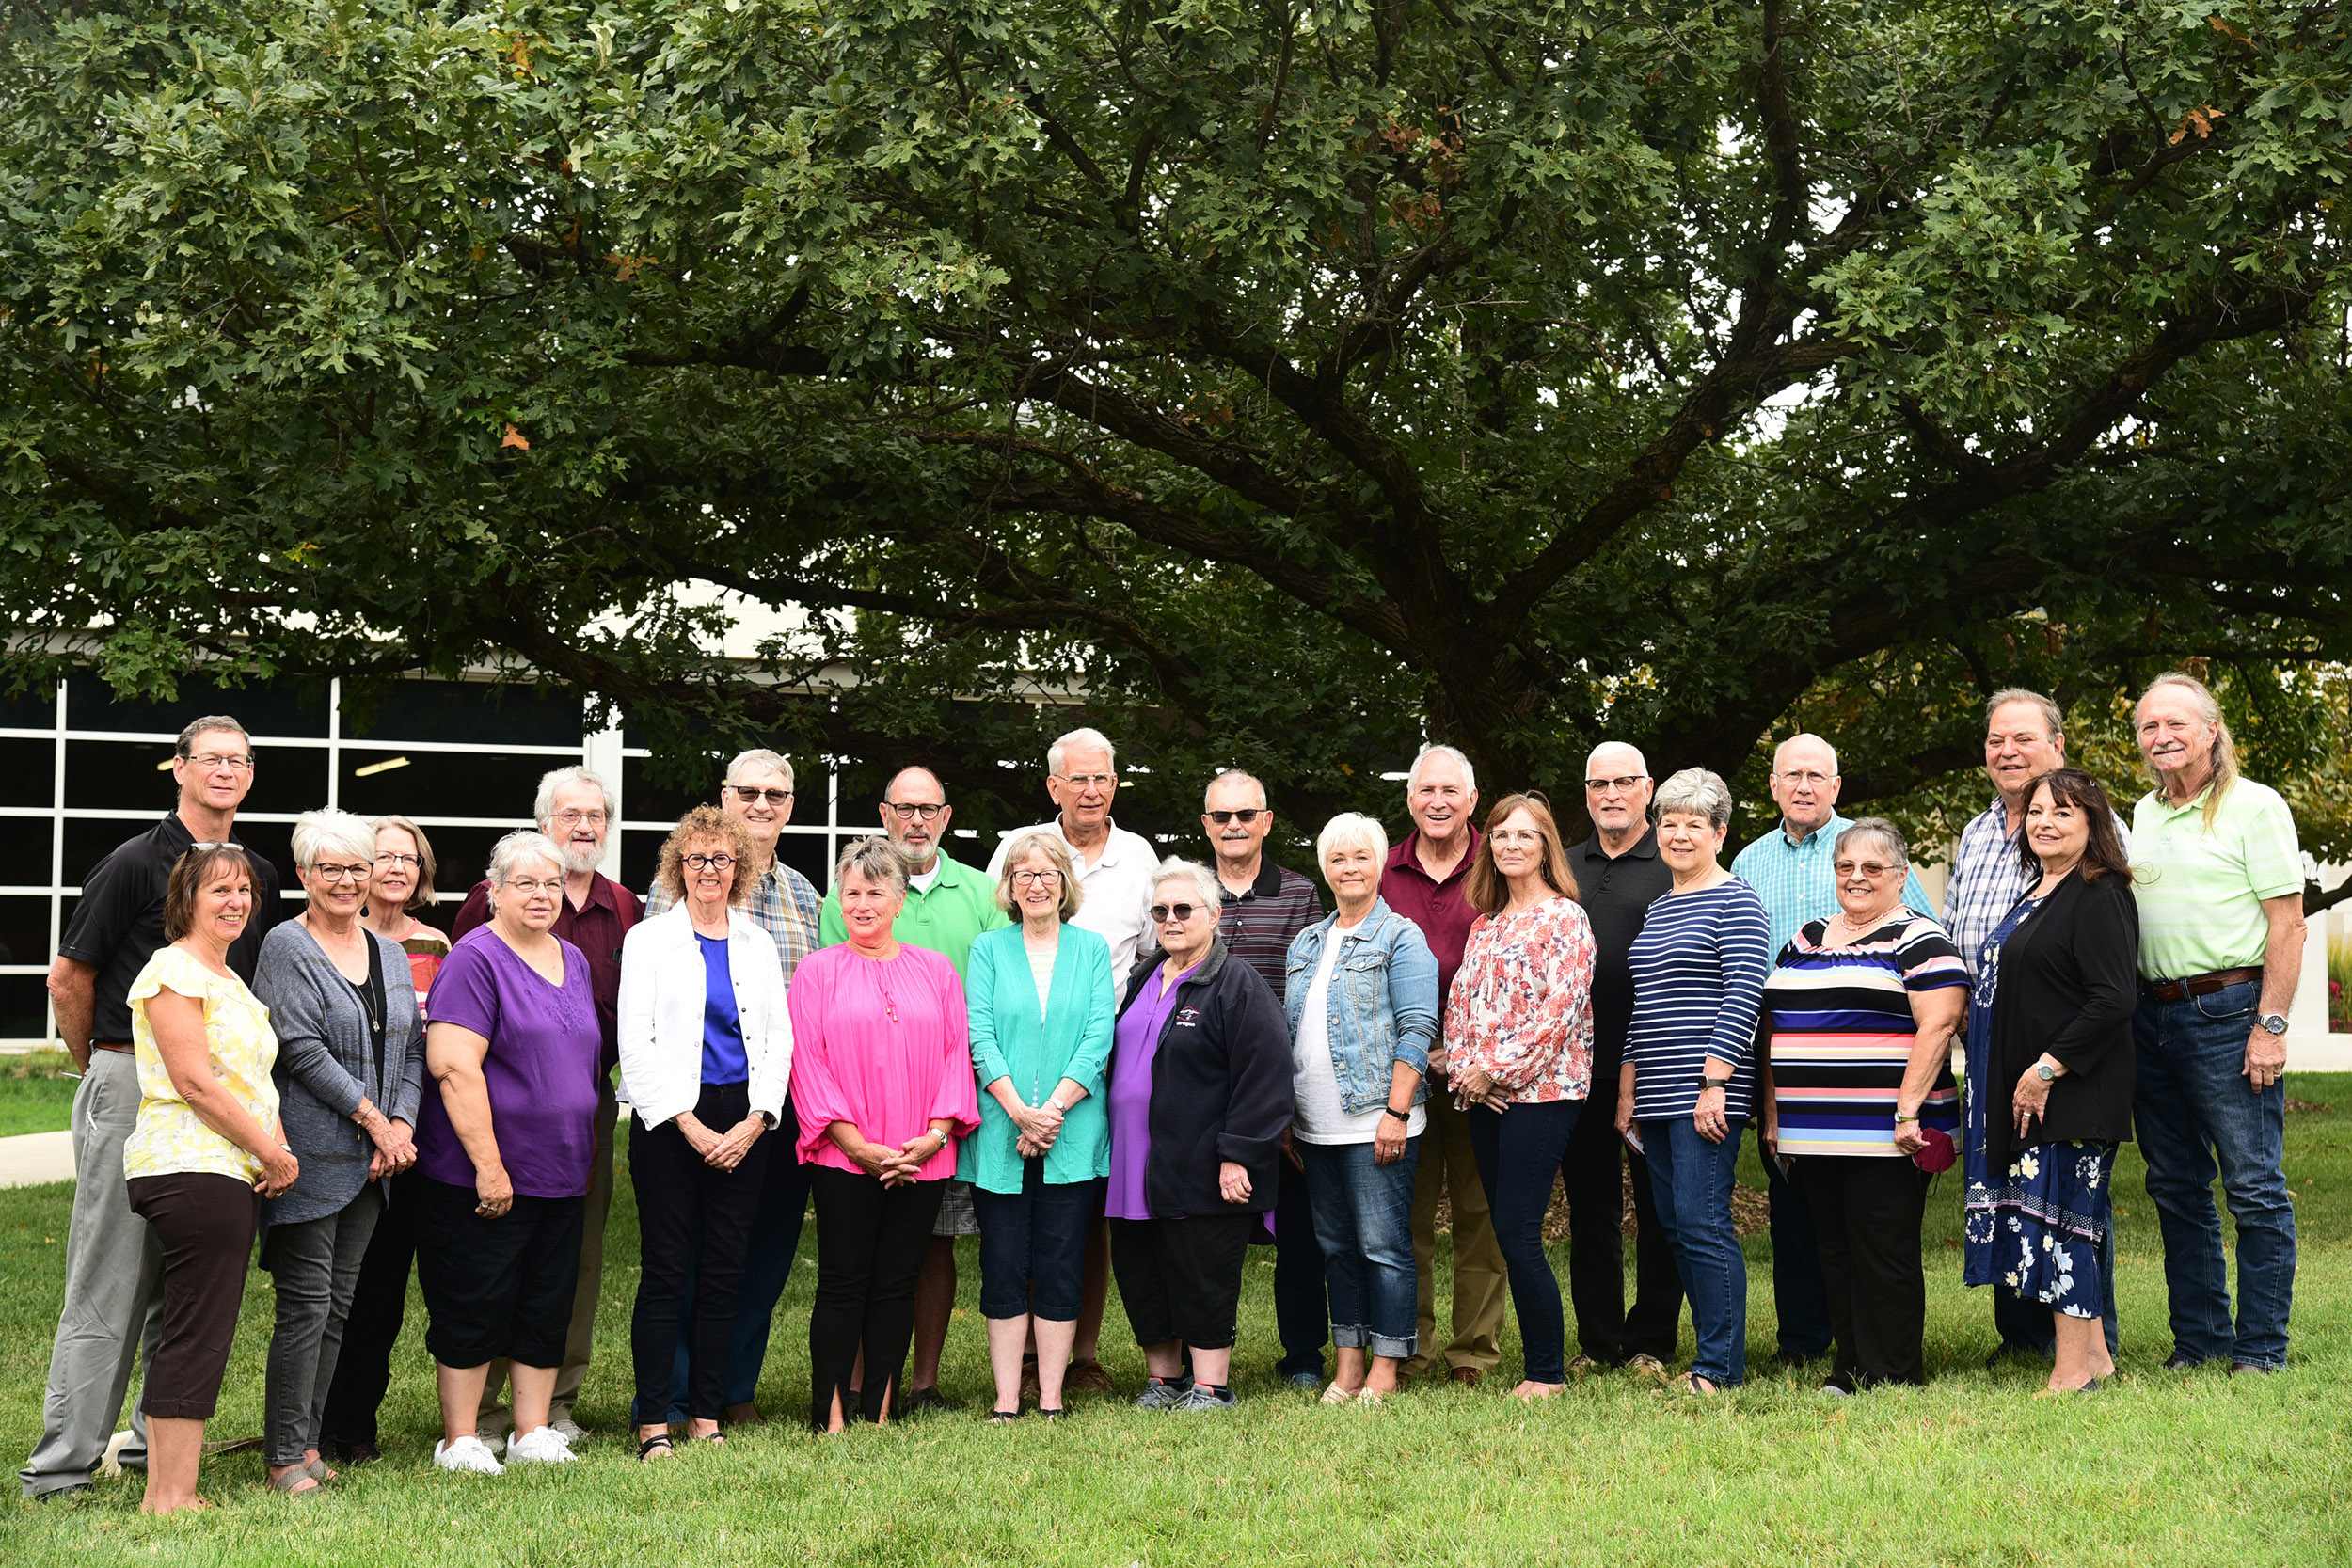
[{"x": 1116, "y": 869}]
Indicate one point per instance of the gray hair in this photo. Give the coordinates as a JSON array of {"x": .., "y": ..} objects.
[
  {"x": 1698, "y": 791},
  {"x": 1036, "y": 841},
  {"x": 508, "y": 853},
  {"x": 759, "y": 756},
  {"x": 1889, "y": 837},
  {"x": 329, "y": 831},
  {"x": 1235, "y": 775},
  {"x": 1452, "y": 754},
  {"x": 877, "y": 858},
  {"x": 2008, "y": 694},
  {"x": 2209, "y": 711},
  {"x": 1176, "y": 869},
  {"x": 1085, "y": 740},
  {"x": 212, "y": 723},
  {"x": 1351, "y": 830},
  {"x": 542, "y": 807}
]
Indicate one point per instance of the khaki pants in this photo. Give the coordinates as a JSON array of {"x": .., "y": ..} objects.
[
  {"x": 1481, "y": 1288},
  {"x": 580, "y": 1342}
]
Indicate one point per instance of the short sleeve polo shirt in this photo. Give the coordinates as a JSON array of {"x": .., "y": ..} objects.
[{"x": 2201, "y": 890}]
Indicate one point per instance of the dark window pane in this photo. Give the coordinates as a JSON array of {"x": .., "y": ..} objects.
[
  {"x": 468, "y": 712},
  {"x": 21, "y": 712},
  {"x": 807, "y": 854},
  {"x": 641, "y": 853},
  {"x": 116, "y": 775},
  {"x": 444, "y": 784},
  {"x": 24, "y": 851},
  {"x": 645, "y": 798},
  {"x": 23, "y": 931},
  {"x": 28, "y": 772},
  {"x": 274, "y": 842},
  {"x": 287, "y": 707},
  {"x": 461, "y": 854},
  {"x": 89, "y": 840},
  {"x": 24, "y": 1007}
]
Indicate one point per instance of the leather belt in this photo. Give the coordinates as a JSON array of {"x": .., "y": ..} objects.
[
  {"x": 110, "y": 1045},
  {"x": 2199, "y": 985}
]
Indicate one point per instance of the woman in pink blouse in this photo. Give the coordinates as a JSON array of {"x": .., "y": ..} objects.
[
  {"x": 881, "y": 1081},
  {"x": 1518, "y": 1043}
]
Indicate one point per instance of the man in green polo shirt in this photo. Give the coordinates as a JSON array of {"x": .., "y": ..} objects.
[
  {"x": 2218, "y": 879},
  {"x": 948, "y": 904}
]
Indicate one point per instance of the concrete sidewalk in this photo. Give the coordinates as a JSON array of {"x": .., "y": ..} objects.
[{"x": 36, "y": 1158}]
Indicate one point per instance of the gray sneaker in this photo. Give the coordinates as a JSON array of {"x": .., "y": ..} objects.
[
  {"x": 1204, "y": 1398},
  {"x": 1161, "y": 1394}
]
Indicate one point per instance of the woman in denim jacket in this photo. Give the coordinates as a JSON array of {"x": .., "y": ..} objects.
[{"x": 1361, "y": 992}]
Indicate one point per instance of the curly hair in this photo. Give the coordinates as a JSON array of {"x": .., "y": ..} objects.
[{"x": 707, "y": 822}]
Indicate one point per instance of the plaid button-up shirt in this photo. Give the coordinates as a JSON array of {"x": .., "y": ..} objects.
[{"x": 783, "y": 903}]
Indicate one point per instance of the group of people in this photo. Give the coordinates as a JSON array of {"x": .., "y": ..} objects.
[{"x": 1106, "y": 1063}]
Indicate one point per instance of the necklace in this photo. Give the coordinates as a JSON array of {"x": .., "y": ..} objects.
[{"x": 366, "y": 1004}]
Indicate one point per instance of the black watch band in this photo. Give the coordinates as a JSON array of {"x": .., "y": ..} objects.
[{"x": 1400, "y": 1116}]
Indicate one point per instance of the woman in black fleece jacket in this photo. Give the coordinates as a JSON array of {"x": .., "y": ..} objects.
[{"x": 1199, "y": 1096}]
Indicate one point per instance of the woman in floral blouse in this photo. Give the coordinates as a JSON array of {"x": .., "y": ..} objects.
[{"x": 1519, "y": 1041}]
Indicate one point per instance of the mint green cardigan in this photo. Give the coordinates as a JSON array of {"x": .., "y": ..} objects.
[{"x": 1008, "y": 1037}]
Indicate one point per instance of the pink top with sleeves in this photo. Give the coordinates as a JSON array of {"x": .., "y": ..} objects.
[
  {"x": 1521, "y": 1008},
  {"x": 881, "y": 1044}
]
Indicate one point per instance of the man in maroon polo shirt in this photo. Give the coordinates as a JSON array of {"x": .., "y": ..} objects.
[
  {"x": 575, "y": 811},
  {"x": 1424, "y": 882}
]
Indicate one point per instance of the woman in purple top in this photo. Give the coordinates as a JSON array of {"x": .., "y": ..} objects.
[
  {"x": 502, "y": 1154},
  {"x": 1200, "y": 1097}
]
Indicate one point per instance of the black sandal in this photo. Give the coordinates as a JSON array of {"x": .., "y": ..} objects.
[
  {"x": 999, "y": 1417},
  {"x": 647, "y": 1446},
  {"x": 1054, "y": 1414}
]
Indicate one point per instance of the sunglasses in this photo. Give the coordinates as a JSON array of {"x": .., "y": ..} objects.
[
  {"x": 748, "y": 796},
  {"x": 1244, "y": 817},
  {"x": 1161, "y": 913}
]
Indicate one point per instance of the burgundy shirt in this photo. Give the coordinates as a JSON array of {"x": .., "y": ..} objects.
[
  {"x": 1442, "y": 910},
  {"x": 595, "y": 929}
]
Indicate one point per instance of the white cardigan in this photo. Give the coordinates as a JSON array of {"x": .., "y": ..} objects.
[{"x": 663, "y": 992}]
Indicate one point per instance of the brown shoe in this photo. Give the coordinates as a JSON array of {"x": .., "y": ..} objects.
[
  {"x": 1030, "y": 1391},
  {"x": 744, "y": 1415},
  {"x": 1088, "y": 1376},
  {"x": 1468, "y": 1377},
  {"x": 1648, "y": 1367}
]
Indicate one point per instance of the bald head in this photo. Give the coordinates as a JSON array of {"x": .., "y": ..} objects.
[
  {"x": 1617, "y": 794},
  {"x": 1805, "y": 783},
  {"x": 914, "y": 813}
]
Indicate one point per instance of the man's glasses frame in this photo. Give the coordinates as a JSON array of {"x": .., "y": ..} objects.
[
  {"x": 1245, "y": 815},
  {"x": 750, "y": 796},
  {"x": 908, "y": 809}
]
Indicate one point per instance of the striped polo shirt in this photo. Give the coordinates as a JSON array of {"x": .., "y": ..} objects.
[
  {"x": 1842, "y": 1034},
  {"x": 1698, "y": 978}
]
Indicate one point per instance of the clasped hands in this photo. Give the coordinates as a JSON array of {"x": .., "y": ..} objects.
[
  {"x": 723, "y": 1151},
  {"x": 1039, "y": 1126}
]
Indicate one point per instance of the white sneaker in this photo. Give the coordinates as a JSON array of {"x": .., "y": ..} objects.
[
  {"x": 567, "y": 1428},
  {"x": 492, "y": 1438},
  {"x": 468, "y": 1454},
  {"x": 544, "y": 1446}
]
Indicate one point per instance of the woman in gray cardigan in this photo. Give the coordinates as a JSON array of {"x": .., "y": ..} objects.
[{"x": 350, "y": 1071}]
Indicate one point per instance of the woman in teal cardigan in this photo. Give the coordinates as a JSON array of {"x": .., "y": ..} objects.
[{"x": 1042, "y": 1003}]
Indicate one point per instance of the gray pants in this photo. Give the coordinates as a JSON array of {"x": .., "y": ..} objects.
[
  {"x": 315, "y": 1262},
  {"x": 497, "y": 1416},
  {"x": 114, "y": 1275}
]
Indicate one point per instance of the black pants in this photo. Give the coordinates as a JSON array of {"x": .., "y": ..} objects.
[
  {"x": 379, "y": 1304},
  {"x": 206, "y": 1224},
  {"x": 1519, "y": 1152},
  {"x": 1865, "y": 1215},
  {"x": 1593, "y": 1173},
  {"x": 870, "y": 1241},
  {"x": 497, "y": 1287},
  {"x": 1180, "y": 1279},
  {"x": 1799, "y": 1295},
  {"x": 1302, "y": 1312},
  {"x": 693, "y": 1224}
]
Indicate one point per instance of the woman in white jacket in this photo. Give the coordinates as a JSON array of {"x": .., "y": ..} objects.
[{"x": 705, "y": 1058}]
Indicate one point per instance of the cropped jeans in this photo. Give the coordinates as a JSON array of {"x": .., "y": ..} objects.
[
  {"x": 2199, "y": 1114},
  {"x": 1363, "y": 1216},
  {"x": 1691, "y": 1180}
]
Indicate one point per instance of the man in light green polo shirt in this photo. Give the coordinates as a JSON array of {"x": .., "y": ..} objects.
[
  {"x": 2218, "y": 879},
  {"x": 948, "y": 904}
]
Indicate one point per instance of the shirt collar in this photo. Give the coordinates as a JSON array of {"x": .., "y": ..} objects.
[
  {"x": 1402, "y": 857},
  {"x": 599, "y": 892},
  {"x": 1827, "y": 830},
  {"x": 1267, "y": 885},
  {"x": 1643, "y": 847}
]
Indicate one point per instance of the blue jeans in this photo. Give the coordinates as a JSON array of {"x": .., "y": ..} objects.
[
  {"x": 1363, "y": 1216},
  {"x": 1692, "y": 1181},
  {"x": 1033, "y": 1245},
  {"x": 2198, "y": 1115},
  {"x": 1519, "y": 1153}
]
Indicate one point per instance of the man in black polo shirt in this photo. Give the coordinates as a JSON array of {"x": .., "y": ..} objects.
[
  {"x": 113, "y": 1269},
  {"x": 1263, "y": 907},
  {"x": 1619, "y": 874}
]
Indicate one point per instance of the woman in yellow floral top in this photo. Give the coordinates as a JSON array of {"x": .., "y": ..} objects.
[
  {"x": 205, "y": 1151},
  {"x": 1518, "y": 1043}
]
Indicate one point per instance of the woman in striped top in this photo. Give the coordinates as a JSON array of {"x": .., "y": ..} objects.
[
  {"x": 1861, "y": 1008},
  {"x": 1690, "y": 1067}
]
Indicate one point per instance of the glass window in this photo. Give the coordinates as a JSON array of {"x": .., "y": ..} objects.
[
  {"x": 28, "y": 774},
  {"x": 123, "y": 775},
  {"x": 462, "y": 855},
  {"x": 460, "y": 713},
  {"x": 20, "y": 712},
  {"x": 646, "y": 799},
  {"x": 24, "y": 933},
  {"x": 443, "y": 783},
  {"x": 25, "y": 861},
  {"x": 808, "y": 854},
  {"x": 641, "y": 856},
  {"x": 23, "y": 1008},
  {"x": 291, "y": 706}
]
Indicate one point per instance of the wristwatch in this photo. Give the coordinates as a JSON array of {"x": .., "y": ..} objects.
[
  {"x": 2044, "y": 1072},
  {"x": 1405, "y": 1116},
  {"x": 2275, "y": 1023}
]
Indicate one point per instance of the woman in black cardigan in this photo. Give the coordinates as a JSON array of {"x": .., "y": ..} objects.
[
  {"x": 1200, "y": 1095},
  {"x": 2050, "y": 1052}
]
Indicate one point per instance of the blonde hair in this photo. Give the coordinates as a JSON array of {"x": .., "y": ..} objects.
[
  {"x": 1051, "y": 845},
  {"x": 2224, "y": 749}
]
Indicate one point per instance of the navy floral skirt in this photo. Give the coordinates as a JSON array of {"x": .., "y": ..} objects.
[{"x": 2038, "y": 1231}]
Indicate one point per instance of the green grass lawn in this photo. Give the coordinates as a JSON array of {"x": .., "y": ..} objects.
[
  {"x": 2162, "y": 1469},
  {"x": 36, "y": 1093}
]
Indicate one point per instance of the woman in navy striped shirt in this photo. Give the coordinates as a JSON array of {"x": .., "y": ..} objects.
[{"x": 1690, "y": 1061}]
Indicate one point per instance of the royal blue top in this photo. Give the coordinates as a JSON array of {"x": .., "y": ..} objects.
[{"x": 724, "y": 1059}]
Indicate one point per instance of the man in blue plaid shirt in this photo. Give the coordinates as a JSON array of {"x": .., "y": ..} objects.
[{"x": 1790, "y": 869}]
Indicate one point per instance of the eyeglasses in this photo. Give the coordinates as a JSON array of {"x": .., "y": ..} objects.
[
  {"x": 1871, "y": 869},
  {"x": 1244, "y": 817},
  {"x": 212, "y": 762},
  {"x": 527, "y": 888},
  {"x": 1037, "y": 879},
  {"x": 1805, "y": 777},
  {"x": 1088, "y": 781},
  {"x": 579, "y": 818},
  {"x": 908, "y": 809},
  {"x": 339, "y": 872},
  {"x": 751, "y": 796},
  {"x": 391, "y": 858},
  {"x": 715, "y": 863},
  {"x": 1516, "y": 835},
  {"x": 1615, "y": 786},
  {"x": 1162, "y": 913}
]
